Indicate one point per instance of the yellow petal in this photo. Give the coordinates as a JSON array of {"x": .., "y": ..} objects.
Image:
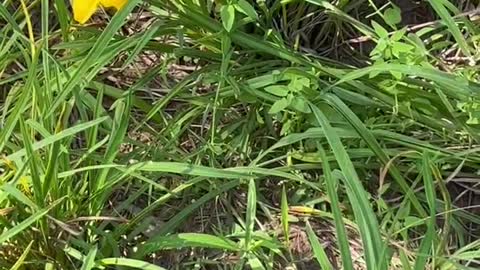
[
  {"x": 84, "y": 9},
  {"x": 117, "y": 4}
]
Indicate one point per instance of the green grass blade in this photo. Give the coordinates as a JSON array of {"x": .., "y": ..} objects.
[
  {"x": 251, "y": 213},
  {"x": 371, "y": 141},
  {"x": 340, "y": 229},
  {"x": 175, "y": 221},
  {"x": 318, "y": 250},
  {"x": 255, "y": 263},
  {"x": 442, "y": 11},
  {"x": 132, "y": 263},
  {"x": 17, "y": 194},
  {"x": 33, "y": 163},
  {"x": 14, "y": 117},
  {"x": 189, "y": 169},
  {"x": 119, "y": 129},
  {"x": 364, "y": 215},
  {"x": 19, "y": 263},
  {"x": 57, "y": 137},
  {"x": 95, "y": 53},
  {"x": 454, "y": 86},
  {"x": 284, "y": 214},
  {"x": 426, "y": 246},
  {"x": 184, "y": 240},
  {"x": 89, "y": 260},
  {"x": 144, "y": 39},
  {"x": 22, "y": 226}
]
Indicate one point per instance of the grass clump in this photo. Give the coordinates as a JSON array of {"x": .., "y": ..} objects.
[{"x": 239, "y": 135}]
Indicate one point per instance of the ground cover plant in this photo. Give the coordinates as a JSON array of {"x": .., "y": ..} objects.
[{"x": 240, "y": 135}]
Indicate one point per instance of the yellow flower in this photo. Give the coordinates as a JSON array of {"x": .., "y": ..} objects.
[{"x": 84, "y": 9}]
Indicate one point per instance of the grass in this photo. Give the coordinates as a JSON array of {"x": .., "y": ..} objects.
[{"x": 239, "y": 135}]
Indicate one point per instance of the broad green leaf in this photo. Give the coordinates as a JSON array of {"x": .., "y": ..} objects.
[
  {"x": 278, "y": 106},
  {"x": 379, "y": 30},
  {"x": 227, "y": 14},
  {"x": 246, "y": 8},
  {"x": 255, "y": 263},
  {"x": 300, "y": 104},
  {"x": 18, "y": 195},
  {"x": 277, "y": 90},
  {"x": 392, "y": 16}
]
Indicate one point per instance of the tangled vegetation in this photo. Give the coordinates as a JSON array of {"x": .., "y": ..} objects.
[{"x": 237, "y": 134}]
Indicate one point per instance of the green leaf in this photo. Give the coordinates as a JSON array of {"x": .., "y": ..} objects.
[
  {"x": 411, "y": 221},
  {"x": 34, "y": 165},
  {"x": 340, "y": 229},
  {"x": 440, "y": 7},
  {"x": 24, "y": 224},
  {"x": 399, "y": 47},
  {"x": 317, "y": 248},
  {"x": 228, "y": 17},
  {"x": 375, "y": 146},
  {"x": 189, "y": 169},
  {"x": 188, "y": 240},
  {"x": 284, "y": 220},
  {"x": 300, "y": 104},
  {"x": 364, "y": 215},
  {"x": 379, "y": 30},
  {"x": 177, "y": 220},
  {"x": 392, "y": 16},
  {"x": 278, "y": 106},
  {"x": 118, "y": 131},
  {"x": 58, "y": 136},
  {"x": 89, "y": 260},
  {"x": 454, "y": 86},
  {"x": 99, "y": 49},
  {"x": 128, "y": 263},
  {"x": 426, "y": 249},
  {"x": 399, "y": 34},
  {"x": 146, "y": 36},
  {"x": 17, "y": 194},
  {"x": 255, "y": 263},
  {"x": 277, "y": 90},
  {"x": 21, "y": 259},
  {"x": 246, "y": 8},
  {"x": 19, "y": 107},
  {"x": 251, "y": 213}
]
